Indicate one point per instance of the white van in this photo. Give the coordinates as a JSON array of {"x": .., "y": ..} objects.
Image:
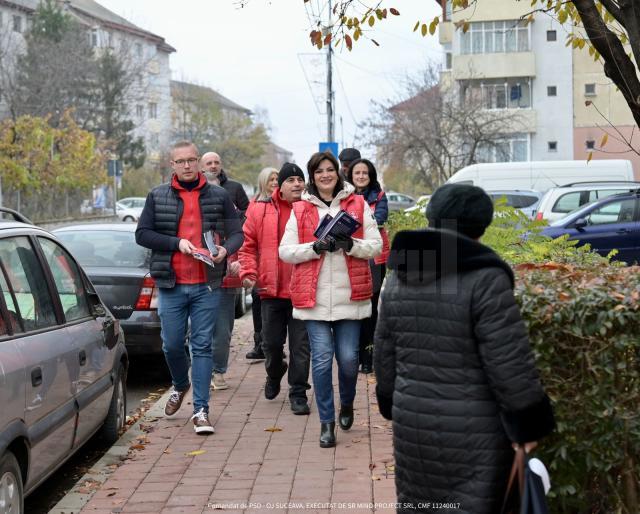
[{"x": 541, "y": 175}]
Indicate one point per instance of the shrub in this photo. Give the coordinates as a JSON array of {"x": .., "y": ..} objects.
[{"x": 583, "y": 314}]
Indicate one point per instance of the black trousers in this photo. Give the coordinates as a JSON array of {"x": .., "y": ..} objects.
[
  {"x": 256, "y": 312},
  {"x": 277, "y": 320},
  {"x": 368, "y": 326}
]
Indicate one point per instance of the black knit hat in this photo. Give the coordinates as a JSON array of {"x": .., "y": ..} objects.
[
  {"x": 349, "y": 154},
  {"x": 289, "y": 170},
  {"x": 464, "y": 208}
]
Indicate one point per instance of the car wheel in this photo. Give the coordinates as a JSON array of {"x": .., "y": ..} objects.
[
  {"x": 117, "y": 414},
  {"x": 11, "y": 490},
  {"x": 241, "y": 303},
  {"x": 127, "y": 218}
]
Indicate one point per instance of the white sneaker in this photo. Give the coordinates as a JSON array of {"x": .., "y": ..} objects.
[
  {"x": 201, "y": 423},
  {"x": 218, "y": 382}
]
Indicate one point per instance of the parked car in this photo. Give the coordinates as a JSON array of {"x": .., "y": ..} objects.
[
  {"x": 557, "y": 202},
  {"x": 125, "y": 213},
  {"x": 119, "y": 269},
  {"x": 606, "y": 224},
  {"x": 526, "y": 201},
  {"x": 133, "y": 202},
  {"x": 541, "y": 175},
  {"x": 63, "y": 362},
  {"x": 398, "y": 201},
  {"x": 421, "y": 204}
]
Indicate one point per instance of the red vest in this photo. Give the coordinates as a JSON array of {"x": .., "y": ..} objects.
[
  {"x": 304, "y": 280},
  {"x": 382, "y": 258}
]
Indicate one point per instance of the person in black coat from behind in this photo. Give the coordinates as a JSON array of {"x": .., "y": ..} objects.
[{"x": 452, "y": 361}]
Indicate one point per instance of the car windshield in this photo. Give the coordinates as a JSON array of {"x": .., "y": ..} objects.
[
  {"x": 105, "y": 248},
  {"x": 561, "y": 221}
]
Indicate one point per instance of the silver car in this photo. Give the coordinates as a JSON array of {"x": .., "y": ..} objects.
[{"x": 63, "y": 363}]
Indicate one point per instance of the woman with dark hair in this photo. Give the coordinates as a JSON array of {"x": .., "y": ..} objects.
[
  {"x": 362, "y": 174},
  {"x": 331, "y": 285}
]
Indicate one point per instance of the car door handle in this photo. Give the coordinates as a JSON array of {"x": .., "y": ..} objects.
[
  {"x": 82, "y": 357},
  {"x": 36, "y": 376},
  {"x": 622, "y": 231}
]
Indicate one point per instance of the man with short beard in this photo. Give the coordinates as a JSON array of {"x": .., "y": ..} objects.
[{"x": 260, "y": 263}]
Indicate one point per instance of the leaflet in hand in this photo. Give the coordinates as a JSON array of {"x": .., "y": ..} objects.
[
  {"x": 203, "y": 255},
  {"x": 211, "y": 240},
  {"x": 342, "y": 224}
]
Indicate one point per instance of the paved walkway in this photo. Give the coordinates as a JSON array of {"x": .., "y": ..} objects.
[{"x": 261, "y": 458}]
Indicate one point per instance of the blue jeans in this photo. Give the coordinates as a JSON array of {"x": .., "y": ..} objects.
[
  {"x": 175, "y": 306},
  {"x": 224, "y": 327},
  {"x": 326, "y": 338}
]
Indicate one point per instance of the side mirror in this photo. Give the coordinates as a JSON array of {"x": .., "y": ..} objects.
[{"x": 580, "y": 223}]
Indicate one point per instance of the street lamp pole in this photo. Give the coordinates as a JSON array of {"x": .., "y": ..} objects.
[{"x": 330, "y": 97}]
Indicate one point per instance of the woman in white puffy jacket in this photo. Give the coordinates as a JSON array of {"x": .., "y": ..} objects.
[{"x": 331, "y": 285}]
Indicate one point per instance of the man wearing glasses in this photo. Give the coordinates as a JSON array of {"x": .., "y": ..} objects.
[{"x": 172, "y": 224}]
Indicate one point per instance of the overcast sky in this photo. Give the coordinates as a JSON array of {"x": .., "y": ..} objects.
[{"x": 252, "y": 55}]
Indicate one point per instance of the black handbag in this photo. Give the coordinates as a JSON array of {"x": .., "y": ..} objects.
[{"x": 525, "y": 490}]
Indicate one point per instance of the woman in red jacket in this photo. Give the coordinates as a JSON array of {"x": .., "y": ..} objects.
[{"x": 331, "y": 285}]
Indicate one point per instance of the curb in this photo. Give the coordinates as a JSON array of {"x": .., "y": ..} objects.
[{"x": 75, "y": 500}]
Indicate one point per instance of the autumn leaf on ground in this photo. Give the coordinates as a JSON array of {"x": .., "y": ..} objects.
[
  {"x": 137, "y": 447},
  {"x": 356, "y": 440},
  {"x": 374, "y": 477},
  {"x": 390, "y": 468},
  {"x": 273, "y": 429},
  {"x": 168, "y": 450},
  {"x": 195, "y": 452},
  {"x": 112, "y": 493},
  {"x": 371, "y": 466},
  {"x": 371, "y": 380}
]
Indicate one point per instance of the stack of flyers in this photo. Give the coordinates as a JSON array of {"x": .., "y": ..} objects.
[{"x": 203, "y": 255}]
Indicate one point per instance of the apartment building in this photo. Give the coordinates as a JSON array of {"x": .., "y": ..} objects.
[
  {"x": 149, "y": 98},
  {"x": 525, "y": 69}
]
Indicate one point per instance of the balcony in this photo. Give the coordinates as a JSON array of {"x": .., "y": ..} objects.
[{"x": 495, "y": 65}]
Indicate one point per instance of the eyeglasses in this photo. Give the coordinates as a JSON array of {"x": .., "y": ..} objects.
[{"x": 182, "y": 162}]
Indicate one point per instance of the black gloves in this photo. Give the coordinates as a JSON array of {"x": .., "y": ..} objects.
[
  {"x": 343, "y": 242},
  {"x": 330, "y": 244},
  {"x": 323, "y": 245}
]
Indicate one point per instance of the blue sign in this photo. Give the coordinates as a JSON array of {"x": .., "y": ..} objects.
[
  {"x": 332, "y": 147},
  {"x": 114, "y": 168}
]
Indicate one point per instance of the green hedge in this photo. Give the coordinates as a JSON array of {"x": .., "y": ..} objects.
[{"x": 583, "y": 314}]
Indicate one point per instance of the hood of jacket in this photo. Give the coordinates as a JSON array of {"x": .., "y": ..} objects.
[
  {"x": 222, "y": 177},
  {"x": 424, "y": 256},
  {"x": 342, "y": 194}
]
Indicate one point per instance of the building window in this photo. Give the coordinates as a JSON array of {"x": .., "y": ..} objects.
[
  {"x": 17, "y": 23},
  {"x": 495, "y": 37},
  {"x": 139, "y": 49},
  {"x": 590, "y": 144},
  {"x": 590, "y": 90},
  {"x": 140, "y": 111},
  {"x": 93, "y": 38},
  {"x": 552, "y": 146},
  {"x": 552, "y": 91},
  {"x": 513, "y": 149},
  {"x": 110, "y": 39},
  {"x": 448, "y": 60},
  {"x": 153, "y": 110},
  {"x": 552, "y": 35},
  {"x": 510, "y": 93}
]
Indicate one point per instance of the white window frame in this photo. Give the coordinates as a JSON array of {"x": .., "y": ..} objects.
[
  {"x": 153, "y": 110},
  {"x": 587, "y": 87},
  {"x": 553, "y": 89},
  {"x": 491, "y": 89},
  {"x": 494, "y": 156},
  {"x": 17, "y": 24},
  {"x": 475, "y": 40}
]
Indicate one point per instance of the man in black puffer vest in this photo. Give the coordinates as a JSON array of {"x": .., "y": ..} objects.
[
  {"x": 172, "y": 224},
  {"x": 453, "y": 364}
]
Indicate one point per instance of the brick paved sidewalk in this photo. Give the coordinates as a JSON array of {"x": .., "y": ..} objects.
[{"x": 245, "y": 468}]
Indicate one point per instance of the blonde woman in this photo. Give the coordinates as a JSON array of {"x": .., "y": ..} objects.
[{"x": 267, "y": 182}]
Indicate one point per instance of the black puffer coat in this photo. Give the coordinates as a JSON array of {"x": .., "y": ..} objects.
[{"x": 454, "y": 368}]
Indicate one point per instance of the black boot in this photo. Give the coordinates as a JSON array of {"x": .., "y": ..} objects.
[
  {"x": 256, "y": 353},
  {"x": 366, "y": 359},
  {"x": 328, "y": 435},
  {"x": 345, "y": 418}
]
